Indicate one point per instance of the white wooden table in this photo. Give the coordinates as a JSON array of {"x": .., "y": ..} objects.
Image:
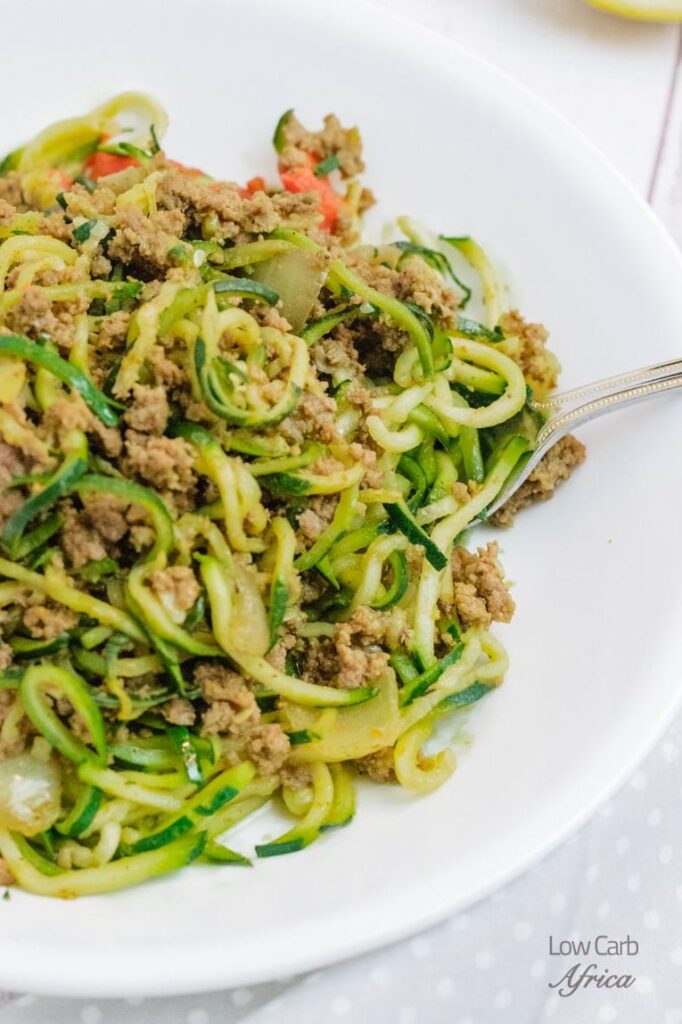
[{"x": 621, "y": 83}]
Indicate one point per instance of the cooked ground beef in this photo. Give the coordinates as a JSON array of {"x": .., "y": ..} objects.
[
  {"x": 106, "y": 514},
  {"x": 145, "y": 242},
  {"x": 7, "y": 213},
  {"x": 379, "y": 766},
  {"x": 313, "y": 418},
  {"x": 354, "y": 655},
  {"x": 11, "y": 465},
  {"x": 232, "y": 708},
  {"x": 337, "y": 351},
  {"x": 113, "y": 330},
  {"x": 166, "y": 462},
  {"x": 149, "y": 410},
  {"x": 10, "y": 188},
  {"x": 179, "y": 583},
  {"x": 64, "y": 415},
  {"x": 179, "y": 711},
  {"x": 57, "y": 226},
  {"x": 236, "y": 215},
  {"x": 45, "y": 622},
  {"x": 317, "y": 517},
  {"x": 6, "y": 655},
  {"x": 81, "y": 542},
  {"x": 481, "y": 594},
  {"x": 33, "y": 315},
  {"x": 296, "y": 776},
  {"x": 269, "y": 748},
  {"x": 164, "y": 371},
  {"x": 526, "y": 343},
  {"x": 557, "y": 465},
  {"x": 333, "y": 140}
]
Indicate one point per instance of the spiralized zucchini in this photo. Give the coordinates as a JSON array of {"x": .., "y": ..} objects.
[{"x": 242, "y": 453}]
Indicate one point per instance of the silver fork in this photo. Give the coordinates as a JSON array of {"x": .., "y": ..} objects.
[{"x": 571, "y": 409}]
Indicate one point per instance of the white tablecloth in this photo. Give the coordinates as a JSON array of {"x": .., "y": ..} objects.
[{"x": 621, "y": 875}]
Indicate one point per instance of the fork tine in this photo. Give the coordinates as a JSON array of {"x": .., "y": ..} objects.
[{"x": 642, "y": 384}]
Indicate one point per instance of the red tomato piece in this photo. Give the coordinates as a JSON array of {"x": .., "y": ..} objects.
[
  {"x": 98, "y": 165},
  {"x": 253, "y": 185},
  {"x": 302, "y": 179}
]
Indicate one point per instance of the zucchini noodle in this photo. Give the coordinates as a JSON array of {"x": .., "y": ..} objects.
[{"x": 240, "y": 451}]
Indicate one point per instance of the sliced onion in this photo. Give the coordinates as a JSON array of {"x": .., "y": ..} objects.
[
  {"x": 30, "y": 792},
  {"x": 297, "y": 277}
]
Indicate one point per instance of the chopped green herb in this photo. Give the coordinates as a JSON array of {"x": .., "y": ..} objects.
[
  {"x": 123, "y": 297},
  {"x": 88, "y": 183},
  {"x": 325, "y": 167},
  {"x": 180, "y": 254},
  {"x": 83, "y": 231},
  {"x": 126, "y": 149},
  {"x": 278, "y": 137},
  {"x": 98, "y": 570},
  {"x": 155, "y": 146}
]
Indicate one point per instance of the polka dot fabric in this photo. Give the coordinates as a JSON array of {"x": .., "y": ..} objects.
[{"x": 620, "y": 875}]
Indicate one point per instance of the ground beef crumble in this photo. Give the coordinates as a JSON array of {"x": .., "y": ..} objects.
[
  {"x": 146, "y": 242},
  {"x": 269, "y": 748},
  {"x": 10, "y": 189},
  {"x": 557, "y": 465},
  {"x": 313, "y": 418},
  {"x": 317, "y": 517},
  {"x": 332, "y": 140},
  {"x": 354, "y": 655},
  {"x": 379, "y": 766},
  {"x": 149, "y": 411},
  {"x": 81, "y": 541},
  {"x": 179, "y": 711},
  {"x": 166, "y": 462},
  {"x": 113, "y": 330},
  {"x": 6, "y": 655},
  {"x": 7, "y": 213},
  {"x": 179, "y": 583},
  {"x": 107, "y": 515},
  {"x": 11, "y": 465},
  {"x": 35, "y": 316},
  {"x": 526, "y": 343},
  {"x": 45, "y": 622},
  {"x": 480, "y": 591},
  {"x": 232, "y": 708},
  {"x": 236, "y": 214}
]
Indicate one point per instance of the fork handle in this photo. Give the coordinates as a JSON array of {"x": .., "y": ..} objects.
[
  {"x": 557, "y": 426},
  {"x": 610, "y": 385}
]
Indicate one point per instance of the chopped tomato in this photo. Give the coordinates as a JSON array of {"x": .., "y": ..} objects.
[
  {"x": 185, "y": 170},
  {"x": 302, "y": 179},
  {"x": 253, "y": 185},
  {"x": 98, "y": 164}
]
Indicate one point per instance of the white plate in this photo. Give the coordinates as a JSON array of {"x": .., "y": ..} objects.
[{"x": 594, "y": 649}]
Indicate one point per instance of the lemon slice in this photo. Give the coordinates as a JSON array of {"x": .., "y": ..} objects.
[{"x": 644, "y": 10}]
